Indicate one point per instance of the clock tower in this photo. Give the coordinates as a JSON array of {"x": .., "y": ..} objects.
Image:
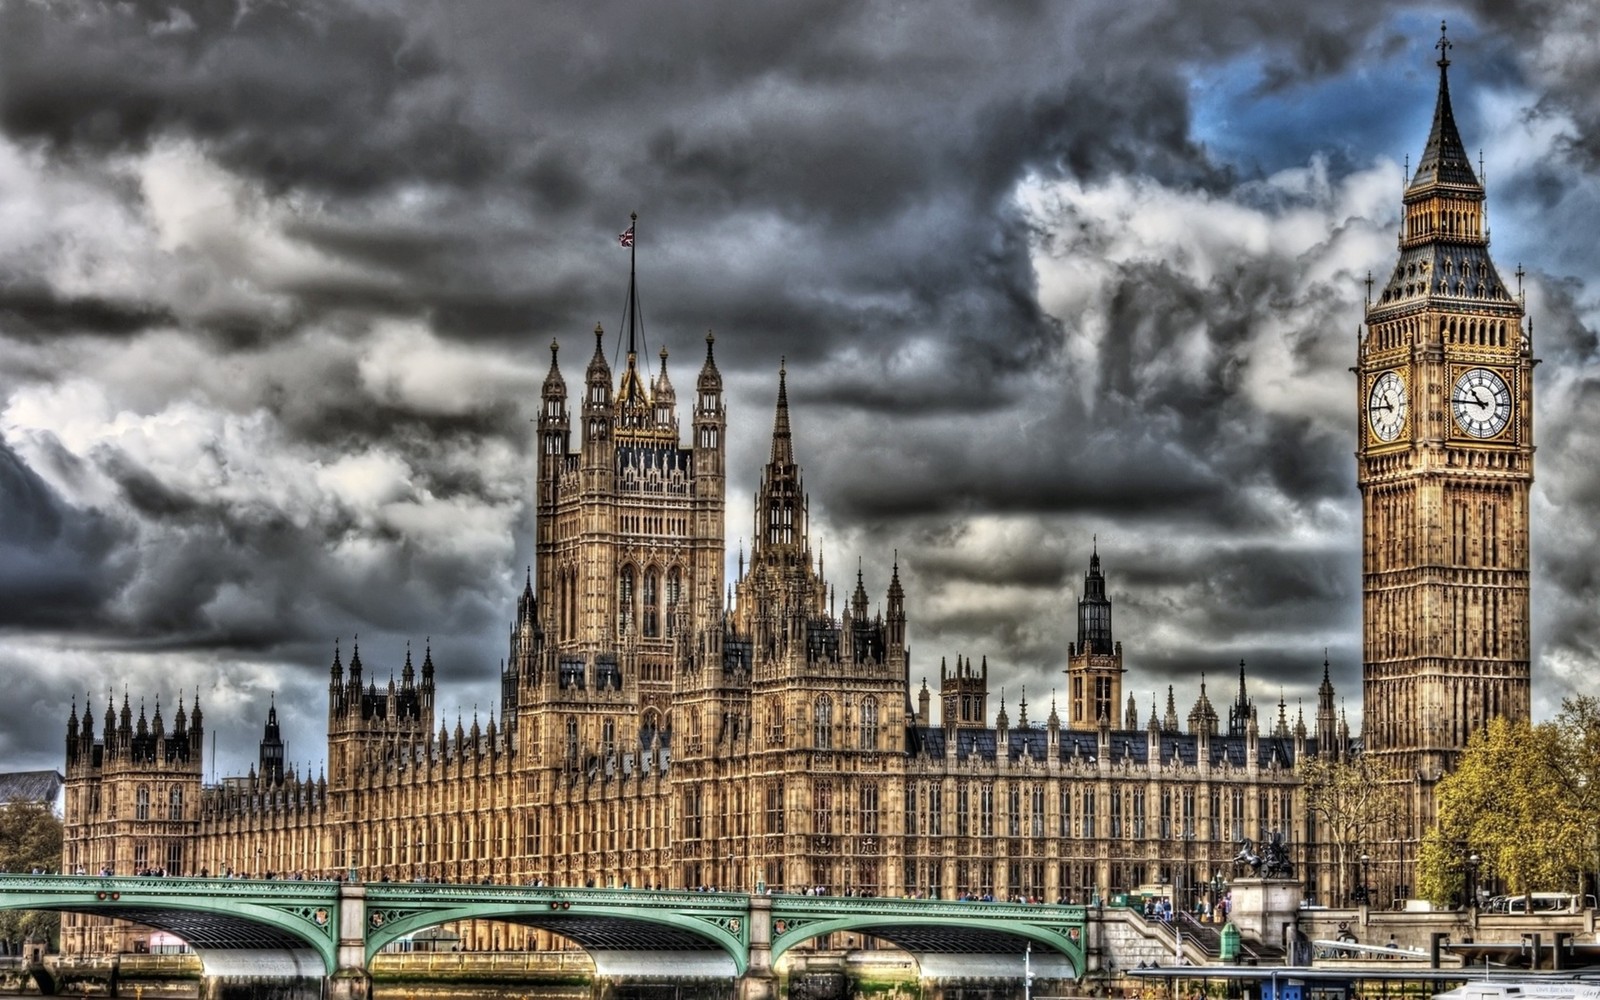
[{"x": 1444, "y": 382}]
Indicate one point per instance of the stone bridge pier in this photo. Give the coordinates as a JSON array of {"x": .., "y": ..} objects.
[
  {"x": 759, "y": 981},
  {"x": 350, "y": 979}
]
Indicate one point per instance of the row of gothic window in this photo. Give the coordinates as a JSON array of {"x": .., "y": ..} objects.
[{"x": 141, "y": 803}]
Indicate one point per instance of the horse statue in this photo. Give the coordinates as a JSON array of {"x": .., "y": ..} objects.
[{"x": 1247, "y": 856}]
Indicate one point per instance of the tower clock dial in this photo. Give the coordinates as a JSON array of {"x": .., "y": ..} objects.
[
  {"x": 1386, "y": 406},
  {"x": 1481, "y": 402}
]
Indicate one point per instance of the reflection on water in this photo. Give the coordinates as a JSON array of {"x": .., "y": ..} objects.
[{"x": 688, "y": 990}]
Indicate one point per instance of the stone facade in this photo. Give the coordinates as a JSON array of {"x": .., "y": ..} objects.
[{"x": 654, "y": 732}]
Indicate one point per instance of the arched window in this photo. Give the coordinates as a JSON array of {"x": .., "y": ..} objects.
[
  {"x": 141, "y": 803},
  {"x": 608, "y": 735},
  {"x": 869, "y": 807},
  {"x": 674, "y": 594},
  {"x": 625, "y": 601},
  {"x": 822, "y": 807},
  {"x": 822, "y": 726},
  {"x": 652, "y": 607},
  {"x": 175, "y": 804},
  {"x": 572, "y": 604},
  {"x": 869, "y": 723},
  {"x": 775, "y": 735},
  {"x": 572, "y": 738}
]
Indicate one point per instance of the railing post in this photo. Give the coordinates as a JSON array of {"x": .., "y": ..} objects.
[{"x": 350, "y": 979}]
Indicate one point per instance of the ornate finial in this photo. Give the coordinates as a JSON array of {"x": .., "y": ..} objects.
[
  {"x": 634, "y": 216},
  {"x": 663, "y": 353},
  {"x": 1369, "y": 288},
  {"x": 1521, "y": 295},
  {"x": 1444, "y": 46},
  {"x": 555, "y": 348}
]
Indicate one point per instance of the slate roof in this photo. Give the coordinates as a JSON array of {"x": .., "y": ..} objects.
[{"x": 30, "y": 786}]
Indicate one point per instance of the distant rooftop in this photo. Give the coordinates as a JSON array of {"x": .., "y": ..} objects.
[{"x": 30, "y": 786}]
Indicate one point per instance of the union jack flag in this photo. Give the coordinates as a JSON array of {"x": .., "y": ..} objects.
[{"x": 625, "y": 238}]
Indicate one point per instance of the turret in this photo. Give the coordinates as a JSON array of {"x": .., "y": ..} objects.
[
  {"x": 963, "y": 694},
  {"x": 597, "y": 415},
  {"x": 710, "y": 417},
  {"x": 781, "y": 506},
  {"x": 110, "y": 728},
  {"x": 1203, "y": 717},
  {"x": 271, "y": 757},
  {"x": 1094, "y": 610},
  {"x": 895, "y": 618},
  {"x": 353, "y": 698},
  {"x": 197, "y": 730},
  {"x": 1326, "y": 739},
  {"x": 86, "y": 744},
  {"x": 1242, "y": 712},
  {"x": 555, "y": 421},
  {"x": 664, "y": 400},
  {"x": 336, "y": 684},
  {"x": 72, "y": 733},
  {"x": 1094, "y": 662}
]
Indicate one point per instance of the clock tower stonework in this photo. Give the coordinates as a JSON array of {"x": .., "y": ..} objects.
[{"x": 1445, "y": 464}]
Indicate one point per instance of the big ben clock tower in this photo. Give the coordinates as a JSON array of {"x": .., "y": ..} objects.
[{"x": 1445, "y": 462}]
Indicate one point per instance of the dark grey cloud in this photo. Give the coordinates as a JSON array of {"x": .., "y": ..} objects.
[
  {"x": 53, "y": 554},
  {"x": 320, "y": 96},
  {"x": 272, "y": 322}
]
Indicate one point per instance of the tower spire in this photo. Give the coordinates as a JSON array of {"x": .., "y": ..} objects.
[
  {"x": 1444, "y": 159},
  {"x": 782, "y": 441}
]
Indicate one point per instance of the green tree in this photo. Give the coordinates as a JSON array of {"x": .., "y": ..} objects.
[
  {"x": 1352, "y": 801},
  {"x": 30, "y": 839},
  {"x": 1517, "y": 800}
]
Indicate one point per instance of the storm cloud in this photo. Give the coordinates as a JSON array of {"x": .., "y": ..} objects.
[{"x": 278, "y": 283}]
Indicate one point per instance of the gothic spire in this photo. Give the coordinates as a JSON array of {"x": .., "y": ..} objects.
[
  {"x": 710, "y": 378},
  {"x": 1444, "y": 159},
  {"x": 782, "y": 443}
]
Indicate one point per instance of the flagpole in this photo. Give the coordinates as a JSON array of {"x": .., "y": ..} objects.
[{"x": 633, "y": 278}]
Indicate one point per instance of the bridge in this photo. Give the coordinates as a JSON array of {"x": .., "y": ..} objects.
[{"x": 249, "y": 930}]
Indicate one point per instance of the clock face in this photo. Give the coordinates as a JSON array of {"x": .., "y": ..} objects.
[
  {"x": 1481, "y": 402},
  {"x": 1386, "y": 406}
]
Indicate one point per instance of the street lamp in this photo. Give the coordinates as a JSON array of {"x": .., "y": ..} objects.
[
  {"x": 1366, "y": 863},
  {"x": 1472, "y": 880}
]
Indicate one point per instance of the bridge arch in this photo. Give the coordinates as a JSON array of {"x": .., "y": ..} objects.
[
  {"x": 288, "y": 928},
  {"x": 609, "y": 925},
  {"x": 936, "y": 932}
]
